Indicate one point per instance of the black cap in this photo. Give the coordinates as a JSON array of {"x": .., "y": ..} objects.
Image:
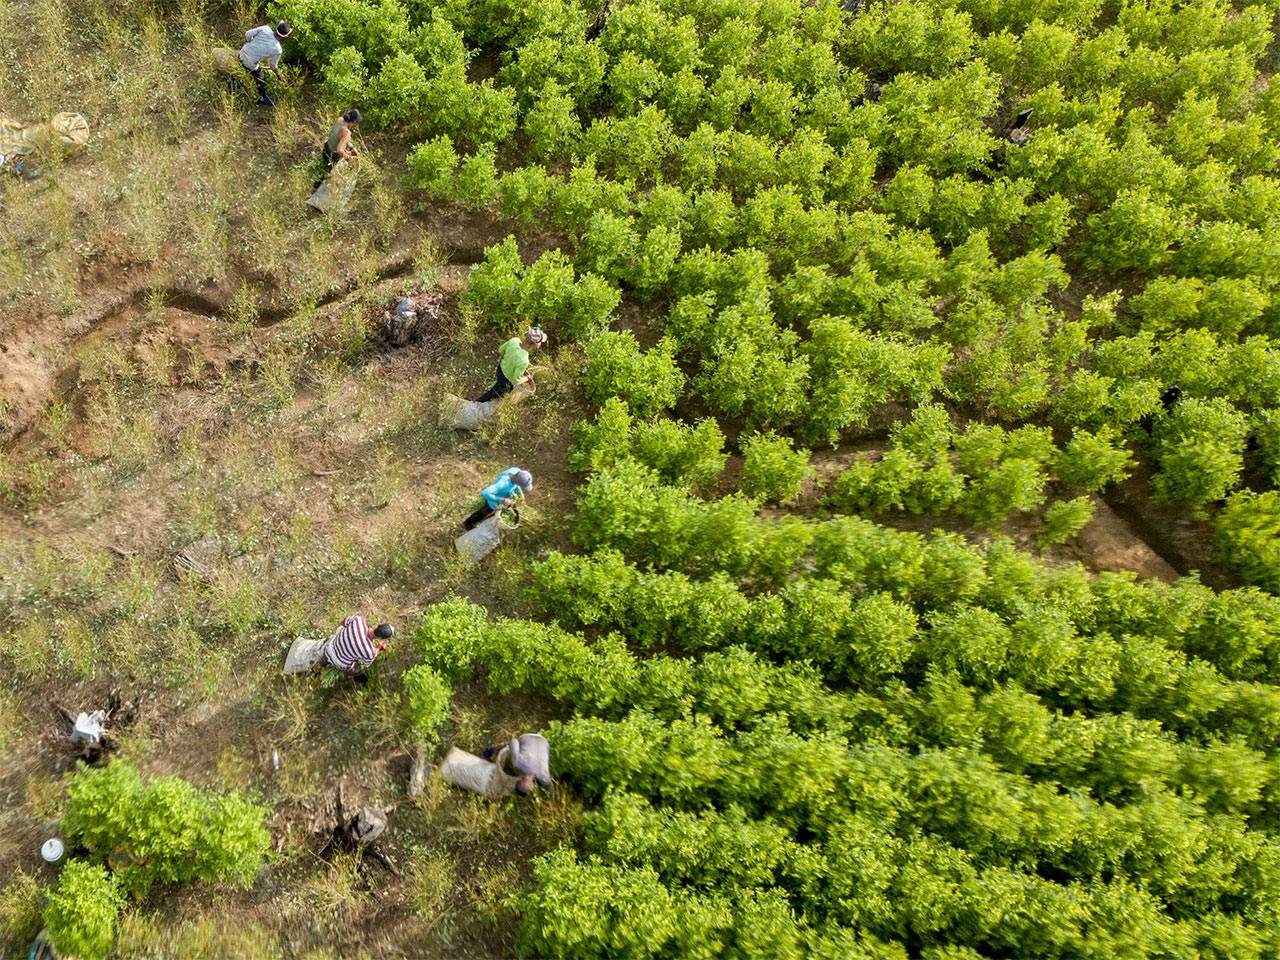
[
  {"x": 384, "y": 630},
  {"x": 283, "y": 29}
]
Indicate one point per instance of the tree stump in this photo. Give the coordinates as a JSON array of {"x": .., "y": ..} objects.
[
  {"x": 116, "y": 715},
  {"x": 357, "y": 833},
  {"x": 413, "y": 318}
]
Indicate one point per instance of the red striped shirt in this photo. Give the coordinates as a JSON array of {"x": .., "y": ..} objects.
[{"x": 350, "y": 648}]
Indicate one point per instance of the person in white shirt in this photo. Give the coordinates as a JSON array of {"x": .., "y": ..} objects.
[{"x": 262, "y": 45}]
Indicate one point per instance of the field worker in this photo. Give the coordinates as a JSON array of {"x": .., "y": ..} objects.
[
  {"x": 513, "y": 363},
  {"x": 511, "y": 485},
  {"x": 353, "y": 646},
  {"x": 262, "y": 45},
  {"x": 527, "y": 758},
  {"x": 339, "y": 146}
]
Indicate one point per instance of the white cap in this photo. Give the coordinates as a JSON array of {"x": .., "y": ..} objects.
[{"x": 52, "y": 850}]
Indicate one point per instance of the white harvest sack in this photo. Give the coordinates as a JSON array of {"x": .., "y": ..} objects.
[
  {"x": 336, "y": 188},
  {"x": 471, "y": 414},
  {"x": 476, "y": 774},
  {"x": 482, "y": 539},
  {"x": 304, "y": 655}
]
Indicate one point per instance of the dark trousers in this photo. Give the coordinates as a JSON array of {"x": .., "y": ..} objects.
[
  {"x": 330, "y": 159},
  {"x": 500, "y": 387},
  {"x": 481, "y": 515},
  {"x": 260, "y": 79}
]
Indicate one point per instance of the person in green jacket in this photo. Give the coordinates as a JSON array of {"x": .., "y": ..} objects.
[{"x": 513, "y": 363}]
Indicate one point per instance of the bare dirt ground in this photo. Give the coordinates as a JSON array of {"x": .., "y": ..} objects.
[{"x": 189, "y": 361}]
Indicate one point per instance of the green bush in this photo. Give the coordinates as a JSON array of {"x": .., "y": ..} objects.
[
  {"x": 681, "y": 453},
  {"x": 449, "y": 637},
  {"x": 1248, "y": 530},
  {"x": 1136, "y": 232},
  {"x": 476, "y": 185},
  {"x": 545, "y": 292},
  {"x": 1063, "y": 519},
  {"x": 1091, "y": 461},
  {"x": 431, "y": 167},
  {"x": 429, "y": 698},
  {"x": 166, "y": 829},
  {"x": 81, "y": 911},
  {"x": 772, "y": 469},
  {"x": 649, "y": 381},
  {"x": 524, "y": 193},
  {"x": 1199, "y": 447},
  {"x": 345, "y": 78},
  {"x": 397, "y": 92}
]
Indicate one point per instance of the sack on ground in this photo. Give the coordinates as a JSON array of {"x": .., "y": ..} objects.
[
  {"x": 335, "y": 190},
  {"x": 226, "y": 60},
  {"x": 462, "y": 414},
  {"x": 467, "y": 414},
  {"x": 482, "y": 539},
  {"x": 304, "y": 655},
  {"x": 67, "y": 132}
]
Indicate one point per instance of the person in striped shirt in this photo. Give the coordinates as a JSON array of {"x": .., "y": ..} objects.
[{"x": 353, "y": 646}]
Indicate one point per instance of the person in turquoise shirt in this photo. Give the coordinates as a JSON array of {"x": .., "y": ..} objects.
[
  {"x": 513, "y": 363},
  {"x": 511, "y": 485}
]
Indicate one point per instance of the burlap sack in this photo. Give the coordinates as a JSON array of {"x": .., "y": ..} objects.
[
  {"x": 462, "y": 414},
  {"x": 68, "y": 132},
  {"x": 476, "y": 774},
  {"x": 304, "y": 655},
  {"x": 335, "y": 190},
  {"x": 226, "y": 60}
]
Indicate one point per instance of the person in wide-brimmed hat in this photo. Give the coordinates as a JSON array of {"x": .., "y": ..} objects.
[{"x": 262, "y": 46}]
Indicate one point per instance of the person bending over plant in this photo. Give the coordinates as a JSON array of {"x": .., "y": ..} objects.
[
  {"x": 511, "y": 485},
  {"x": 527, "y": 758},
  {"x": 262, "y": 45},
  {"x": 513, "y": 363},
  {"x": 353, "y": 646}
]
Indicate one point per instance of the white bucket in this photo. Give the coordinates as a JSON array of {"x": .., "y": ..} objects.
[{"x": 51, "y": 850}]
